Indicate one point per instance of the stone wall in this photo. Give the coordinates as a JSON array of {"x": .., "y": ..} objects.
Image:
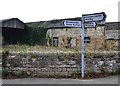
[
  {"x": 112, "y": 34},
  {"x": 63, "y": 64},
  {"x": 113, "y": 44},
  {"x": 112, "y": 39},
  {"x": 97, "y": 39}
]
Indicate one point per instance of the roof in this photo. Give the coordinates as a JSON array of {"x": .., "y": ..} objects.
[
  {"x": 57, "y": 23},
  {"x": 4, "y": 20},
  {"x": 12, "y": 23},
  {"x": 112, "y": 26}
]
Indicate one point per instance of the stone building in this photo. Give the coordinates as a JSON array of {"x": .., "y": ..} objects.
[
  {"x": 62, "y": 36},
  {"x": 112, "y": 36},
  {"x": 104, "y": 36}
]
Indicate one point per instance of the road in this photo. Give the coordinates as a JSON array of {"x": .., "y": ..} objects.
[{"x": 107, "y": 80}]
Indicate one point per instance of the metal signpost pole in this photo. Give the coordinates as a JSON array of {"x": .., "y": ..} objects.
[
  {"x": 88, "y": 20},
  {"x": 82, "y": 63}
]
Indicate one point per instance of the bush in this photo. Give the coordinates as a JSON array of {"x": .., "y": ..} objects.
[
  {"x": 4, "y": 73},
  {"x": 35, "y": 36},
  {"x": 4, "y": 64}
]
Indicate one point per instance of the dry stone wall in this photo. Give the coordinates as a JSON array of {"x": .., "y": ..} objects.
[{"x": 63, "y": 64}]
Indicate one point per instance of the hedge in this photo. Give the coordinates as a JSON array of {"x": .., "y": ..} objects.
[{"x": 35, "y": 36}]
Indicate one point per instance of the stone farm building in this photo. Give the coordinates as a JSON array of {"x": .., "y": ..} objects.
[
  {"x": 95, "y": 38},
  {"x": 104, "y": 36}
]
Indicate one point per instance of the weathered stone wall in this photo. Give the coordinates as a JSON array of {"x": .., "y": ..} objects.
[
  {"x": 112, "y": 44},
  {"x": 112, "y": 39},
  {"x": 112, "y": 34},
  {"x": 63, "y": 64},
  {"x": 97, "y": 39}
]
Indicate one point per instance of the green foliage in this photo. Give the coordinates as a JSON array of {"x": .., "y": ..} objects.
[
  {"x": 4, "y": 63},
  {"x": 4, "y": 58},
  {"x": 35, "y": 36},
  {"x": 4, "y": 72},
  {"x": 117, "y": 72},
  {"x": 5, "y": 54}
]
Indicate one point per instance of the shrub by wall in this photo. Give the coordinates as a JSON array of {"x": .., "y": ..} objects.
[
  {"x": 4, "y": 64},
  {"x": 35, "y": 36}
]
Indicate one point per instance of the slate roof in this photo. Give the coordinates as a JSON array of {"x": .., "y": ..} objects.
[
  {"x": 57, "y": 23},
  {"x": 5, "y": 20},
  {"x": 12, "y": 23}
]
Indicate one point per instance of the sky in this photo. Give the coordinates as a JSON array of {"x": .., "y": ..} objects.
[{"x": 42, "y": 10}]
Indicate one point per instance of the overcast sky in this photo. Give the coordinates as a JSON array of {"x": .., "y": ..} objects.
[{"x": 40, "y": 10}]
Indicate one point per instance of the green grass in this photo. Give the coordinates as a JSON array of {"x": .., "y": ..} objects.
[
  {"x": 45, "y": 49},
  {"x": 37, "y": 48}
]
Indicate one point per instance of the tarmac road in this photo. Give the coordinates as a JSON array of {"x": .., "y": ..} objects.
[{"x": 107, "y": 80}]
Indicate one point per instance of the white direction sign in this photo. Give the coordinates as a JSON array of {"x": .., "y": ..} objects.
[
  {"x": 71, "y": 23},
  {"x": 94, "y": 17},
  {"x": 90, "y": 24}
]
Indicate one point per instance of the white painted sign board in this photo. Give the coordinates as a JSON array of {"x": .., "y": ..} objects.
[
  {"x": 90, "y": 24},
  {"x": 71, "y": 23},
  {"x": 94, "y": 17}
]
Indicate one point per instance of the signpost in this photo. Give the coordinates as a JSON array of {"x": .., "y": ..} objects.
[
  {"x": 82, "y": 63},
  {"x": 71, "y": 23},
  {"x": 90, "y": 24},
  {"x": 94, "y": 17},
  {"x": 89, "y": 20}
]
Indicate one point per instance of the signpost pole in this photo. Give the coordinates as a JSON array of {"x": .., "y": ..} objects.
[
  {"x": 88, "y": 20},
  {"x": 82, "y": 63}
]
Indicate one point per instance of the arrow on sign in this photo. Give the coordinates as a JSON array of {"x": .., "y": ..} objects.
[
  {"x": 90, "y": 24},
  {"x": 71, "y": 23},
  {"x": 94, "y": 17}
]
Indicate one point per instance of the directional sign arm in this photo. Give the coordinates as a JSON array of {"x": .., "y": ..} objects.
[
  {"x": 94, "y": 17},
  {"x": 90, "y": 24},
  {"x": 71, "y": 23}
]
